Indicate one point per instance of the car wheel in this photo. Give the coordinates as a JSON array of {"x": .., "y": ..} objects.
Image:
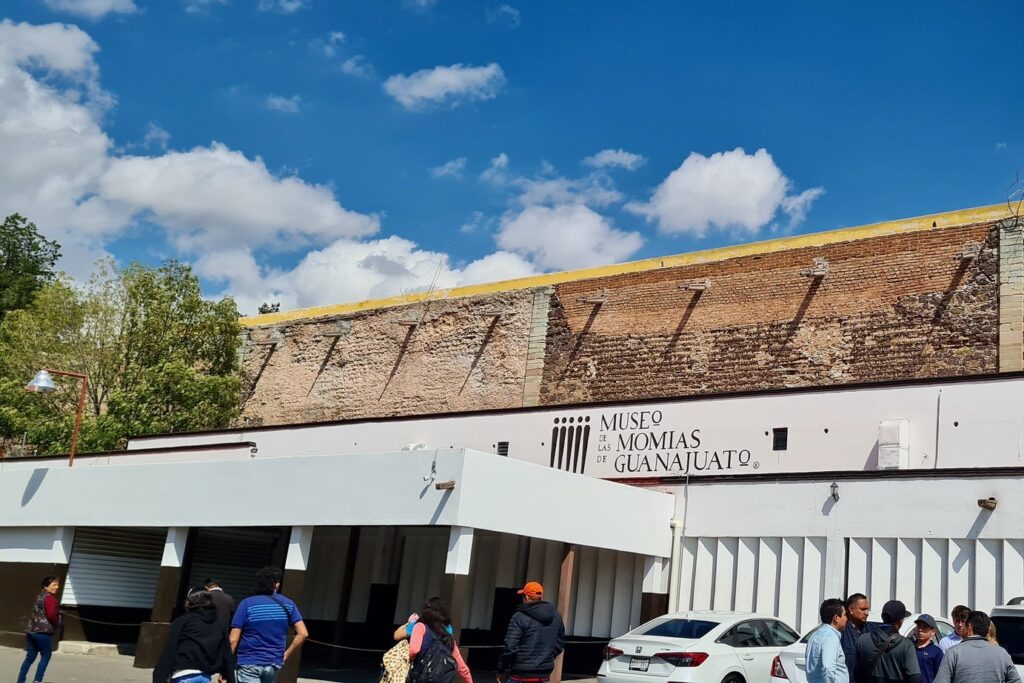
[{"x": 733, "y": 678}]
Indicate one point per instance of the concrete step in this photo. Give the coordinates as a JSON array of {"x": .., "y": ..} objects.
[{"x": 80, "y": 647}]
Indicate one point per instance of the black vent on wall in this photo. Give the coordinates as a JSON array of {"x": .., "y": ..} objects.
[
  {"x": 503, "y": 448},
  {"x": 780, "y": 438}
]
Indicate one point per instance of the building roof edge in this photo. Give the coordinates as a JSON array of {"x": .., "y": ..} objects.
[{"x": 946, "y": 219}]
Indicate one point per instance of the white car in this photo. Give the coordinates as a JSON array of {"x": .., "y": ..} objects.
[
  {"x": 791, "y": 664},
  {"x": 697, "y": 647}
]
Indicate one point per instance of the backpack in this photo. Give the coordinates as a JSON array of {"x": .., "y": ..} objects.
[
  {"x": 395, "y": 664},
  {"x": 435, "y": 662}
]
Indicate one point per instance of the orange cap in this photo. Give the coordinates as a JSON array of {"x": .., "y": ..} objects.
[{"x": 532, "y": 590}]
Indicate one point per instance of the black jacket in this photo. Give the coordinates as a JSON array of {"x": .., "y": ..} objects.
[
  {"x": 898, "y": 662},
  {"x": 535, "y": 637},
  {"x": 225, "y": 606},
  {"x": 197, "y": 641}
]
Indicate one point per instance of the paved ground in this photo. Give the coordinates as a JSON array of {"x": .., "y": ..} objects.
[{"x": 118, "y": 669}]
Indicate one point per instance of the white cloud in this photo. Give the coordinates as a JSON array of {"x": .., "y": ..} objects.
[
  {"x": 201, "y": 6},
  {"x": 327, "y": 46},
  {"x": 156, "y": 137},
  {"x": 796, "y": 206},
  {"x": 504, "y": 13},
  {"x": 477, "y": 221},
  {"x": 1000, "y": 146},
  {"x": 287, "y": 105},
  {"x": 566, "y": 237},
  {"x": 357, "y": 66},
  {"x": 285, "y": 6},
  {"x": 453, "y": 85},
  {"x": 725, "y": 191},
  {"x": 615, "y": 158},
  {"x": 452, "y": 169},
  {"x": 419, "y": 5},
  {"x": 92, "y": 9},
  {"x": 213, "y": 197},
  {"x": 496, "y": 171},
  {"x": 348, "y": 270}
]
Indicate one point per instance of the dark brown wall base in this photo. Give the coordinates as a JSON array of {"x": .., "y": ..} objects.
[
  {"x": 19, "y": 585},
  {"x": 292, "y": 587},
  {"x": 152, "y": 637},
  {"x": 653, "y": 605}
]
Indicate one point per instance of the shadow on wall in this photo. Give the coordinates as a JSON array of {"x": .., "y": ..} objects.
[{"x": 32, "y": 487}]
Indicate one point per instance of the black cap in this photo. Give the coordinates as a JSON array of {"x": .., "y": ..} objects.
[
  {"x": 894, "y": 611},
  {"x": 927, "y": 620}
]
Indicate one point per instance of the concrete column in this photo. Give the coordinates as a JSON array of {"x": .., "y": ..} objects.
[
  {"x": 153, "y": 633},
  {"x": 295, "y": 564},
  {"x": 654, "y": 595},
  {"x": 564, "y": 600},
  {"x": 456, "y": 573},
  {"x": 1011, "y": 295}
]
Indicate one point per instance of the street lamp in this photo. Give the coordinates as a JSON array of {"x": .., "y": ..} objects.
[{"x": 42, "y": 383}]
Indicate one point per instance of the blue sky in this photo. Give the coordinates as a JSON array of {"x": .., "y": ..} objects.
[{"x": 318, "y": 151}]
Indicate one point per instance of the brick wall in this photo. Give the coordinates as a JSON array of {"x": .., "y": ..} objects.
[{"x": 890, "y": 307}]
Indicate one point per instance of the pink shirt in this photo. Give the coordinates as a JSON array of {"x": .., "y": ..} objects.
[{"x": 416, "y": 642}]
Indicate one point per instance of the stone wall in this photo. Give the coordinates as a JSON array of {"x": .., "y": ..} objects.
[{"x": 893, "y": 306}]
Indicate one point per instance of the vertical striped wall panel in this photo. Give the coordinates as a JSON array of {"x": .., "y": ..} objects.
[{"x": 786, "y": 576}]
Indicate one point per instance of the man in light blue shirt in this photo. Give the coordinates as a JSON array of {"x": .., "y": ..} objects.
[{"x": 826, "y": 662}]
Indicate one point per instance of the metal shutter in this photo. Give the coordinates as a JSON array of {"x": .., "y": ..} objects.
[
  {"x": 114, "y": 567},
  {"x": 232, "y": 556}
]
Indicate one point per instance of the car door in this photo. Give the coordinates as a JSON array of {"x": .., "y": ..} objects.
[{"x": 755, "y": 648}]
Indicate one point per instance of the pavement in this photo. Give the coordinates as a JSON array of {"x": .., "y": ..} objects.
[{"x": 69, "y": 668}]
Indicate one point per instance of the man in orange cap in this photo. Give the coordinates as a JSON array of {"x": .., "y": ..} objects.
[{"x": 535, "y": 637}]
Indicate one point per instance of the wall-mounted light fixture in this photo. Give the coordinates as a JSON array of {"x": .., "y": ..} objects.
[
  {"x": 444, "y": 486},
  {"x": 834, "y": 490},
  {"x": 819, "y": 270},
  {"x": 987, "y": 503}
]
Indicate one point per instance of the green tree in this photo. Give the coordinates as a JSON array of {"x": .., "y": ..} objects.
[
  {"x": 267, "y": 307},
  {"x": 26, "y": 262},
  {"x": 161, "y": 358}
]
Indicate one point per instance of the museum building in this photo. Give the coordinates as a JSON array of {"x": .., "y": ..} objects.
[{"x": 752, "y": 428}]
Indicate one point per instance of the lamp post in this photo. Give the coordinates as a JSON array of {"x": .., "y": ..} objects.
[{"x": 43, "y": 383}]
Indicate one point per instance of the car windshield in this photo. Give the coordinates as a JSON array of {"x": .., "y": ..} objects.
[
  {"x": 680, "y": 628},
  {"x": 1010, "y": 634}
]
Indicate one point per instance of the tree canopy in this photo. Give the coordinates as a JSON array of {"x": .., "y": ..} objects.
[
  {"x": 27, "y": 261},
  {"x": 160, "y": 357}
]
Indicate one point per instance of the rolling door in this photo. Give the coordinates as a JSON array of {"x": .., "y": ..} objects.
[
  {"x": 232, "y": 556},
  {"x": 114, "y": 567}
]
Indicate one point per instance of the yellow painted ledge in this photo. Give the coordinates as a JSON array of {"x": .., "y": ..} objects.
[{"x": 818, "y": 239}]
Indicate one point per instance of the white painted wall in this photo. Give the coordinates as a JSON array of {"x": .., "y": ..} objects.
[
  {"x": 947, "y": 423},
  {"x": 47, "y": 545},
  {"x": 781, "y": 547},
  {"x": 384, "y": 489}
]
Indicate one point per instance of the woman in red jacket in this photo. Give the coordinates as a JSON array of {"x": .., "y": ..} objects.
[{"x": 44, "y": 621}]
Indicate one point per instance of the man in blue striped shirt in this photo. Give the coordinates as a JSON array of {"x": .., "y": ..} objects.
[
  {"x": 826, "y": 662},
  {"x": 259, "y": 630}
]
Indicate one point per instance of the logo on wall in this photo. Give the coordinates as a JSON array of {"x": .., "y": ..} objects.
[{"x": 570, "y": 439}]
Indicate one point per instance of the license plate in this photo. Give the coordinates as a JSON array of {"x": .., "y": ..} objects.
[{"x": 639, "y": 663}]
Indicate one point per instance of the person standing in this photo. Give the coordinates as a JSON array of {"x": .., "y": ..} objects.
[
  {"x": 975, "y": 660},
  {"x": 826, "y": 662},
  {"x": 259, "y": 630},
  {"x": 223, "y": 603},
  {"x": 858, "y": 607},
  {"x": 929, "y": 655},
  {"x": 197, "y": 646},
  {"x": 959, "y": 614},
  {"x": 42, "y": 624},
  {"x": 535, "y": 637},
  {"x": 883, "y": 655},
  {"x": 433, "y": 653}
]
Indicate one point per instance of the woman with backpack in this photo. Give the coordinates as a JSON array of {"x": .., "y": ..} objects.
[
  {"x": 197, "y": 646},
  {"x": 433, "y": 652},
  {"x": 45, "y": 620}
]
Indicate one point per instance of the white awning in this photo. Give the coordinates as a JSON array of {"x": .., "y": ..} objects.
[{"x": 380, "y": 489}]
